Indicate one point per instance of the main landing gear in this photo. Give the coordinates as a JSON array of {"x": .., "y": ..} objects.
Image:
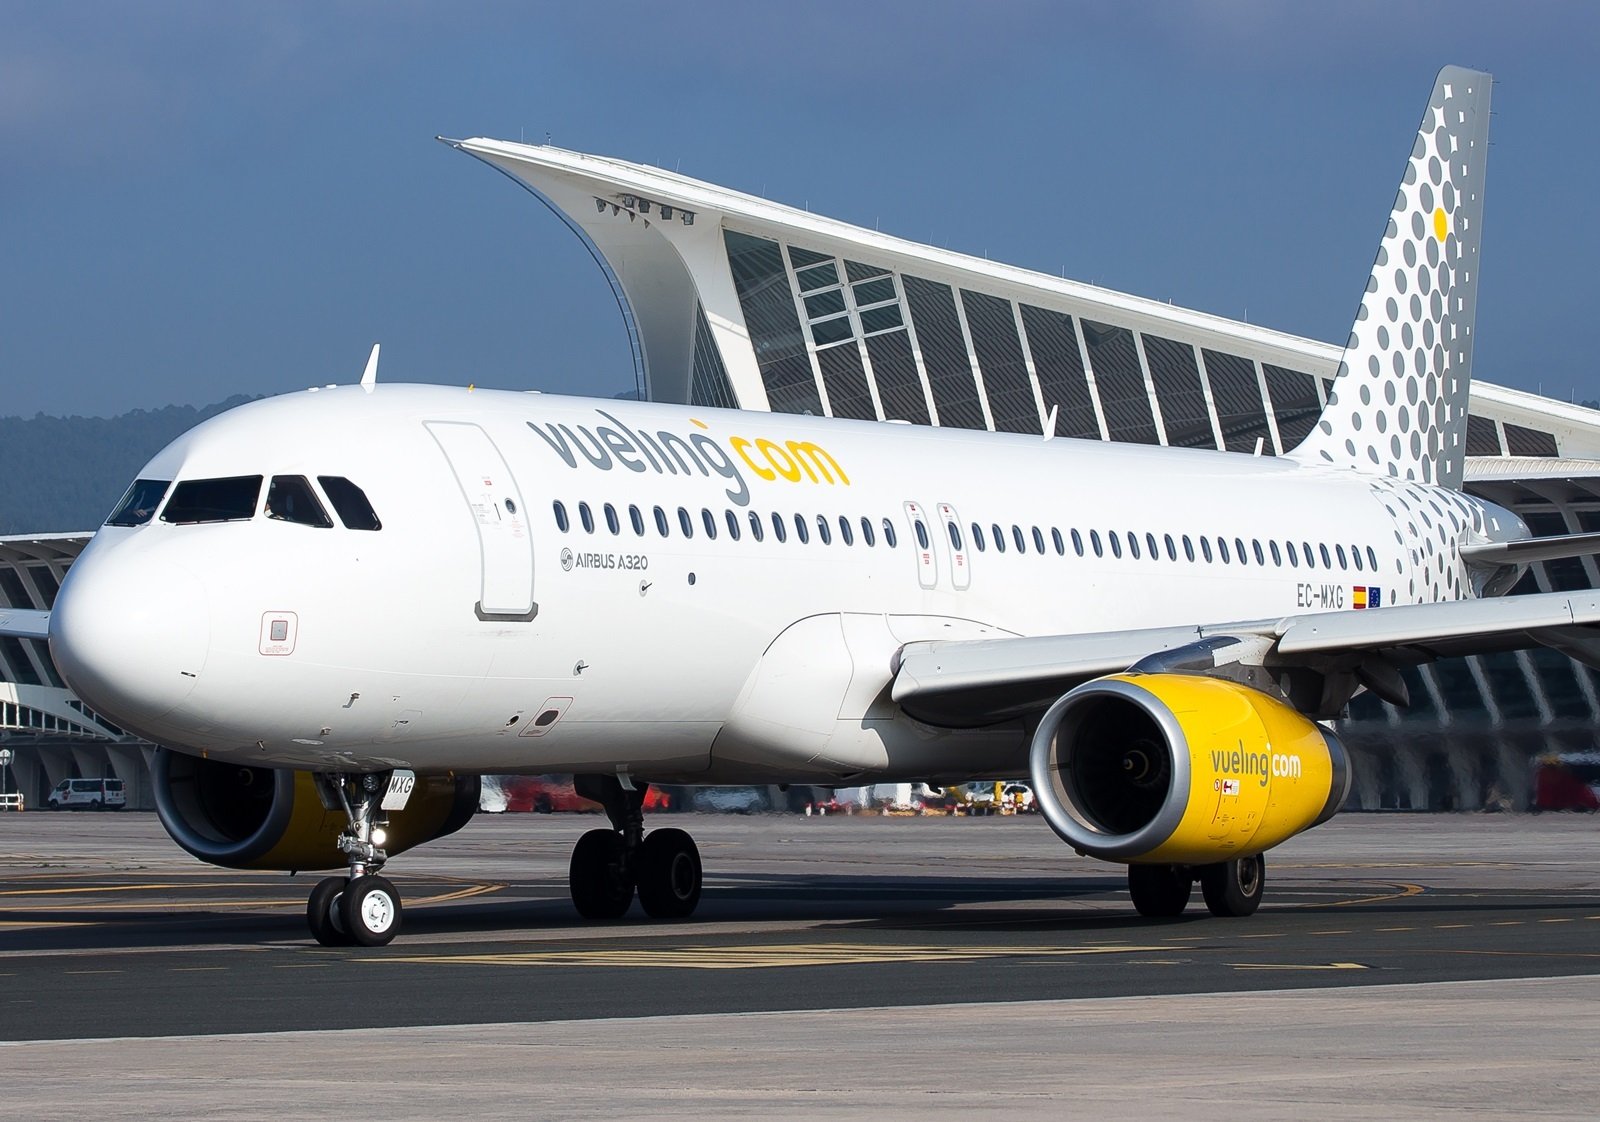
[
  {"x": 362, "y": 909},
  {"x": 1230, "y": 888},
  {"x": 608, "y": 866}
]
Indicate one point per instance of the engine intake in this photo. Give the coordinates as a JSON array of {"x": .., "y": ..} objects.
[
  {"x": 268, "y": 818},
  {"x": 1182, "y": 769}
]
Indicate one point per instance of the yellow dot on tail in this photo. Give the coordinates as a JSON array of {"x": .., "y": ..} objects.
[{"x": 1441, "y": 224}]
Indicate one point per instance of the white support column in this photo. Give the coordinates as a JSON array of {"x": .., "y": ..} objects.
[
  {"x": 1150, "y": 388},
  {"x": 1088, "y": 378}
]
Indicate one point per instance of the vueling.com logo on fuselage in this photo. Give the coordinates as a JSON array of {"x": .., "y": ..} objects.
[
  {"x": 1267, "y": 765},
  {"x": 668, "y": 453}
]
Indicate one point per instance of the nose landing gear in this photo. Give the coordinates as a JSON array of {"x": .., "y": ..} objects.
[
  {"x": 609, "y": 865},
  {"x": 363, "y": 908}
]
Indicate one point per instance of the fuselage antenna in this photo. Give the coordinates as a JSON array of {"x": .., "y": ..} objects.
[{"x": 369, "y": 376}]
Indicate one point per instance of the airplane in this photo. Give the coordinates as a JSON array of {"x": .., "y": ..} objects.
[{"x": 336, "y": 609}]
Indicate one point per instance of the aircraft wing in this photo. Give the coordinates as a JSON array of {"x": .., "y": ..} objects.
[
  {"x": 24, "y": 623},
  {"x": 1528, "y": 550},
  {"x": 966, "y": 684}
]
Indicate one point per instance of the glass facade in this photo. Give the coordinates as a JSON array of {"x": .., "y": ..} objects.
[
  {"x": 768, "y": 303},
  {"x": 851, "y": 338},
  {"x": 709, "y": 384}
]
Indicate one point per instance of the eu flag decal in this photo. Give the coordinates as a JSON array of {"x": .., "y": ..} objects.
[{"x": 1366, "y": 596}]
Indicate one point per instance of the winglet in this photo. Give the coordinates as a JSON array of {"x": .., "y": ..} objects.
[{"x": 369, "y": 376}]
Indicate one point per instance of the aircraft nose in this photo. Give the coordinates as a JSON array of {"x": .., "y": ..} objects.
[{"x": 130, "y": 634}]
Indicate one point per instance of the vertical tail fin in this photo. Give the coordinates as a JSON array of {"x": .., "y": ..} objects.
[{"x": 1399, "y": 402}]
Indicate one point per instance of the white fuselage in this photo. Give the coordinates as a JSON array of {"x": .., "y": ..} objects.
[{"x": 471, "y": 632}]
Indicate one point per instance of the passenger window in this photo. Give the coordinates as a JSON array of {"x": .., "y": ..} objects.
[
  {"x": 1116, "y": 544},
  {"x": 866, "y": 531},
  {"x": 1327, "y": 562},
  {"x": 779, "y": 530},
  {"x": 889, "y": 538},
  {"x": 1016, "y": 536},
  {"x": 612, "y": 523},
  {"x": 1055, "y": 540},
  {"x": 138, "y": 506},
  {"x": 349, "y": 503},
  {"x": 955, "y": 536},
  {"x": 1077, "y": 543},
  {"x": 560, "y": 510},
  {"x": 1038, "y": 540},
  {"x": 1276, "y": 560},
  {"x": 290, "y": 499},
  {"x": 733, "y": 525},
  {"x": 755, "y": 526},
  {"x": 1372, "y": 559},
  {"x": 1294, "y": 558},
  {"x": 999, "y": 539},
  {"x": 977, "y": 537},
  {"x": 844, "y": 531},
  {"x": 1222, "y": 550},
  {"x": 922, "y": 534},
  {"x": 1150, "y": 546},
  {"x": 662, "y": 527},
  {"x": 213, "y": 500},
  {"x": 802, "y": 534},
  {"x": 685, "y": 523},
  {"x": 822, "y": 530},
  {"x": 1205, "y": 548},
  {"x": 1355, "y": 555},
  {"x": 1238, "y": 549},
  {"x": 1094, "y": 543},
  {"x": 1255, "y": 546},
  {"x": 709, "y": 520},
  {"x": 1172, "y": 549},
  {"x": 586, "y": 516},
  {"x": 1188, "y": 547},
  {"x": 636, "y": 518},
  {"x": 1133, "y": 545}
]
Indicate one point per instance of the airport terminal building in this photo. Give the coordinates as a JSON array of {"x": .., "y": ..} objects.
[{"x": 734, "y": 301}]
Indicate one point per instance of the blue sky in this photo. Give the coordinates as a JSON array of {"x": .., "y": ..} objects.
[{"x": 204, "y": 199}]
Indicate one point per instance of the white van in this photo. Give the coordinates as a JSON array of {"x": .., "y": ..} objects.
[{"x": 88, "y": 794}]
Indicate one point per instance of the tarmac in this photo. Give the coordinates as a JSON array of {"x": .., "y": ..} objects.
[{"x": 1402, "y": 966}]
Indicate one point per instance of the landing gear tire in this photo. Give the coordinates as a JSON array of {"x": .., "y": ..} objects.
[
  {"x": 598, "y": 877},
  {"x": 322, "y": 912},
  {"x": 669, "y": 874},
  {"x": 1233, "y": 888},
  {"x": 1159, "y": 891},
  {"x": 369, "y": 911}
]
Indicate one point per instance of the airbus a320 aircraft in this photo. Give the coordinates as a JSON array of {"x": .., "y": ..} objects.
[{"x": 336, "y": 609}]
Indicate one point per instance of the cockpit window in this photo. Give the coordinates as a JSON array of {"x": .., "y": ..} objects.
[
  {"x": 213, "y": 500},
  {"x": 138, "y": 506},
  {"x": 290, "y": 499},
  {"x": 350, "y": 502}
]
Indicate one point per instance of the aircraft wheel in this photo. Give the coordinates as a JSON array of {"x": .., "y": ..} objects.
[
  {"x": 1159, "y": 891},
  {"x": 369, "y": 909},
  {"x": 597, "y": 878},
  {"x": 1234, "y": 888},
  {"x": 669, "y": 874},
  {"x": 322, "y": 912}
]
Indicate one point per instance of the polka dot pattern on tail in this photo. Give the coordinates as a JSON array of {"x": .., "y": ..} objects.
[{"x": 1398, "y": 406}]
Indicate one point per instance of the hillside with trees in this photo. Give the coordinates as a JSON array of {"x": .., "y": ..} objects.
[{"x": 60, "y": 474}]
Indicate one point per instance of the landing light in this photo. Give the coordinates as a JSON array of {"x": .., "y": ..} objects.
[{"x": 379, "y": 835}]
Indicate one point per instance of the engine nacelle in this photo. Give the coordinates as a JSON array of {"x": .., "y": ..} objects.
[
  {"x": 268, "y": 818},
  {"x": 1182, "y": 769}
]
